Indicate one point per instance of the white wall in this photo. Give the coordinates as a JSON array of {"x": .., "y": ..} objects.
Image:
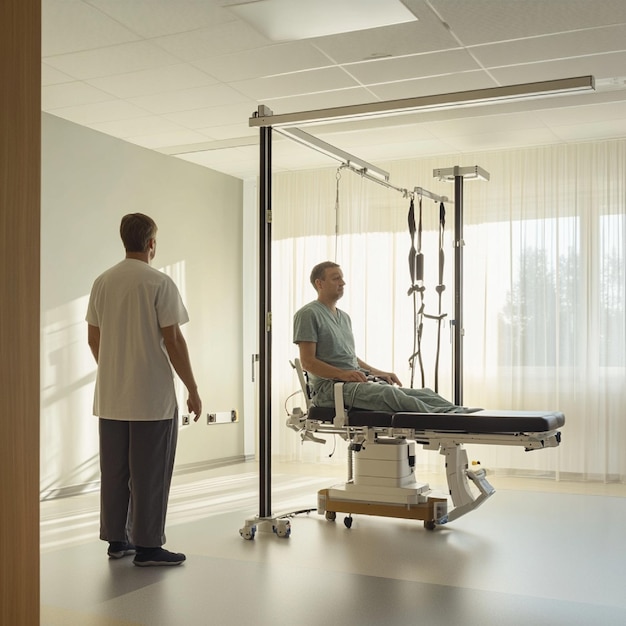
[
  {"x": 250, "y": 316},
  {"x": 89, "y": 180}
]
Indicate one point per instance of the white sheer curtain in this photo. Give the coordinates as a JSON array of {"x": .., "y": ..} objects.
[{"x": 544, "y": 292}]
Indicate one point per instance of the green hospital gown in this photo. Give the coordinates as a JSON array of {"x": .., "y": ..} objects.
[{"x": 332, "y": 334}]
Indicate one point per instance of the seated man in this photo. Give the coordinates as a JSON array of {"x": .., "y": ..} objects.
[{"x": 324, "y": 336}]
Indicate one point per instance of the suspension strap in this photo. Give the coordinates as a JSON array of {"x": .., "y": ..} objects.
[
  {"x": 416, "y": 271},
  {"x": 440, "y": 288}
]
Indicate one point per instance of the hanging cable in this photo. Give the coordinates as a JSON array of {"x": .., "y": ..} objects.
[{"x": 338, "y": 178}]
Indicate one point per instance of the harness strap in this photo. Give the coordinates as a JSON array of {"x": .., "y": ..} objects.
[
  {"x": 416, "y": 271},
  {"x": 440, "y": 288}
]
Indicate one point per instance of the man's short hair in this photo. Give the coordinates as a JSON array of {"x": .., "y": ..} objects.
[
  {"x": 319, "y": 271},
  {"x": 136, "y": 230}
]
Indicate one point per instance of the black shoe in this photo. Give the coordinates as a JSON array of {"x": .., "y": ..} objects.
[
  {"x": 119, "y": 549},
  {"x": 151, "y": 557}
]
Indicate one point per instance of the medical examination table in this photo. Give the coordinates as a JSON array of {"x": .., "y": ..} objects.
[{"x": 381, "y": 459}]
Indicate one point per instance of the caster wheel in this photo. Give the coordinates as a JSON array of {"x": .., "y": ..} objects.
[
  {"x": 348, "y": 522},
  {"x": 283, "y": 530},
  {"x": 331, "y": 516},
  {"x": 248, "y": 533},
  {"x": 430, "y": 525}
]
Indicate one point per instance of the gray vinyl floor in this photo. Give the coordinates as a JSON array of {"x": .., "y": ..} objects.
[{"x": 537, "y": 552}]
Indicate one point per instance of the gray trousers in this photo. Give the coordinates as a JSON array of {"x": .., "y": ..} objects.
[
  {"x": 384, "y": 397},
  {"x": 136, "y": 466}
]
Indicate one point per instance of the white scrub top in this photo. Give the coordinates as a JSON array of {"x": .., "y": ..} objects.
[{"x": 130, "y": 303}]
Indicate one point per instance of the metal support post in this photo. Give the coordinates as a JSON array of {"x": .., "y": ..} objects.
[
  {"x": 457, "y": 375},
  {"x": 265, "y": 324},
  {"x": 458, "y": 175}
]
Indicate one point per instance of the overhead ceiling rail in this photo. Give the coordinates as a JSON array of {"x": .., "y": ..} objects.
[{"x": 474, "y": 97}]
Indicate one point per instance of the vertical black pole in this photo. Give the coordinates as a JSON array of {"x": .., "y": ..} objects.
[
  {"x": 458, "y": 288},
  {"x": 265, "y": 329}
]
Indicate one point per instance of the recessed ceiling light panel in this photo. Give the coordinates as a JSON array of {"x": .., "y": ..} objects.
[{"x": 289, "y": 20}]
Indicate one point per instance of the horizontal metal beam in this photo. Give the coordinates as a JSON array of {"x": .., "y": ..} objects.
[
  {"x": 354, "y": 163},
  {"x": 473, "y": 97},
  {"x": 420, "y": 191},
  {"x": 328, "y": 149}
]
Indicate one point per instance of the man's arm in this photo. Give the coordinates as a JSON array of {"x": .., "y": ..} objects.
[
  {"x": 176, "y": 347},
  {"x": 93, "y": 339},
  {"x": 313, "y": 365},
  {"x": 390, "y": 377}
]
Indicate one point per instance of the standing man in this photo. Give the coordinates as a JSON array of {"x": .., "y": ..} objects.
[
  {"x": 324, "y": 337},
  {"x": 133, "y": 321}
]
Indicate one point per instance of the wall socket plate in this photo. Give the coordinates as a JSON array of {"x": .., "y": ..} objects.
[
  {"x": 185, "y": 419},
  {"x": 222, "y": 417}
]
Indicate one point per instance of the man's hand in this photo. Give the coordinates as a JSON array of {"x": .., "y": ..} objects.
[
  {"x": 194, "y": 404},
  {"x": 390, "y": 377},
  {"x": 352, "y": 376}
]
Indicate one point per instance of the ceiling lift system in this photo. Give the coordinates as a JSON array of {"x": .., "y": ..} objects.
[{"x": 266, "y": 121}]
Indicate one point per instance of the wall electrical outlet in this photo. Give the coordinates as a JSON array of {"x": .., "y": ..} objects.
[
  {"x": 222, "y": 417},
  {"x": 185, "y": 419}
]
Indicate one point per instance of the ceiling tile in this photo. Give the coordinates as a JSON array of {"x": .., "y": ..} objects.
[
  {"x": 68, "y": 94},
  {"x": 153, "y": 81},
  {"x": 137, "y": 127},
  {"x": 214, "y": 41},
  {"x": 593, "y": 131},
  {"x": 155, "y": 18},
  {"x": 190, "y": 99},
  {"x": 72, "y": 26},
  {"x": 130, "y": 57},
  {"x": 599, "y": 66},
  {"x": 484, "y": 125},
  {"x": 414, "y": 66},
  {"x": 583, "y": 114},
  {"x": 214, "y": 116},
  {"x": 502, "y": 139},
  {"x": 174, "y": 138},
  {"x": 484, "y": 21},
  {"x": 277, "y": 59},
  {"x": 100, "y": 112},
  {"x": 52, "y": 76},
  {"x": 235, "y": 161},
  {"x": 375, "y": 136},
  {"x": 559, "y": 46},
  {"x": 231, "y": 130},
  {"x": 407, "y": 150},
  {"x": 210, "y": 145},
  {"x": 388, "y": 143},
  {"x": 298, "y": 83}
]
